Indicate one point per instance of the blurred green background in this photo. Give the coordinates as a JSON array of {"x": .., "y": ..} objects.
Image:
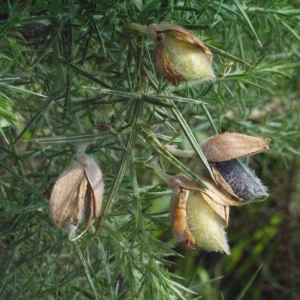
[{"x": 72, "y": 72}]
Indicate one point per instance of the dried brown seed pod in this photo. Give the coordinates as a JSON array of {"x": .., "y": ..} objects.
[
  {"x": 198, "y": 215},
  {"x": 179, "y": 55},
  {"x": 78, "y": 191},
  {"x": 236, "y": 179}
]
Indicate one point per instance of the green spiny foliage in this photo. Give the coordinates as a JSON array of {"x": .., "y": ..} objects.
[{"x": 73, "y": 72}]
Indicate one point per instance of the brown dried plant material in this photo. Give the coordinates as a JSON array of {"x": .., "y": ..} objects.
[
  {"x": 198, "y": 215},
  {"x": 230, "y": 174},
  {"x": 78, "y": 191},
  {"x": 179, "y": 55},
  {"x": 228, "y": 146},
  {"x": 178, "y": 216}
]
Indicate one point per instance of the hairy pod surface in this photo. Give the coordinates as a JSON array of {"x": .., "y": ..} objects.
[
  {"x": 179, "y": 55},
  {"x": 199, "y": 216},
  {"x": 243, "y": 181},
  {"x": 205, "y": 225}
]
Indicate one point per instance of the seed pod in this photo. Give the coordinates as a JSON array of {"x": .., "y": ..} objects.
[
  {"x": 78, "y": 191},
  {"x": 206, "y": 228},
  {"x": 242, "y": 181},
  {"x": 236, "y": 179},
  {"x": 198, "y": 215},
  {"x": 179, "y": 55}
]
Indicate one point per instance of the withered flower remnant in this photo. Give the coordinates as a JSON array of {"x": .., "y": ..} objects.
[
  {"x": 222, "y": 151},
  {"x": 198, "y": 215},
  {"x": 179, "y": 55},
  {"x": 226, "y": 146},
  {"x": 78, "y": 191}
]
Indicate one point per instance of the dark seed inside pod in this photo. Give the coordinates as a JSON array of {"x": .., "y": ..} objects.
[{"x": 242, "y": 180}]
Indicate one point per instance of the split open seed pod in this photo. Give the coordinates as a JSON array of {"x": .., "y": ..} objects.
[
  {"x": 198, "y": 215},
  {"x": 77, "y": 192},
  {"x": 179, "y": 55},
  {"x": 222, "y": 151}
]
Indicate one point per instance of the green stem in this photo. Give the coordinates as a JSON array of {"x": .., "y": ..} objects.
[
  {"x": 86, "y": 269},
  {"x": 138, "y": 107},
  {"x": 189, "y": 134},
  {"x": 138, "y": 27},
  {"x": 160, "y": 172},
  {"x": 181, "y": 153},
  {"x": 155, "y": 143}
]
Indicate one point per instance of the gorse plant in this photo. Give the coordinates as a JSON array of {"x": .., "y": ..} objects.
[{"x": 76, "y": 74}]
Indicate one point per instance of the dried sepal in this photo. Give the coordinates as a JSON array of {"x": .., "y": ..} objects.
[
  {"x": 76, "y": 215},
  {"x": 94, "y": 176},
  {"x": 78, "y": 191},
  {"x": 179, "y": 55},
  {"x": 63, "y": 196},
  {"x": 178, "y": 217},
  {"x": 197, "y": 218},
  {"x": 227, "y": 146},
  {"x": 218, "y": 199}
]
